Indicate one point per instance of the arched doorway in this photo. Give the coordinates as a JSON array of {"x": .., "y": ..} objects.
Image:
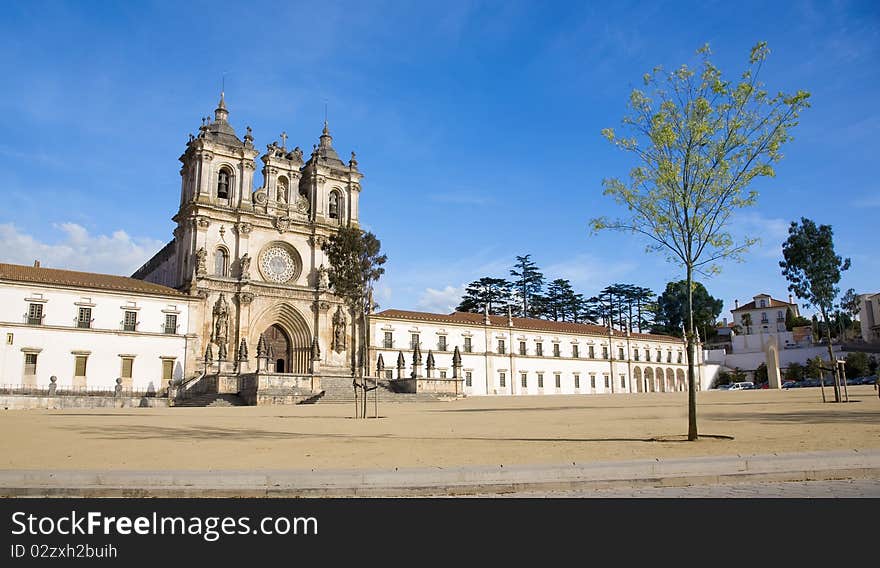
[{"x": 278, "y": 347}]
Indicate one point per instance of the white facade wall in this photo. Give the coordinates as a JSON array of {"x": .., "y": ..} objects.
[
  {"x": 869, "y": 317},
  {"x": 57, "y": 340},
  {"x": 486, "y": 364}
]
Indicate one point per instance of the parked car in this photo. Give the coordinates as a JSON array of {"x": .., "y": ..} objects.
[
  {"x": 744, "y": 385},
  {"x": 722, "y": 387},
  {"x": 790, "y": 385}
]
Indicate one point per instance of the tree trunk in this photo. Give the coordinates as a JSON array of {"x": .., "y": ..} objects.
[
  {"x": 831, "y": 360},
  {"x": 692, "y": 390}
]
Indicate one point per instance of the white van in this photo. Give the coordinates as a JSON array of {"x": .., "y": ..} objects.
[{"x": 745, "y": 385}]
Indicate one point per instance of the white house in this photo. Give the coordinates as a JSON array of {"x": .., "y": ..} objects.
[
  {"x": 88, "y": 329},
  {"x": 518, "y": 356}
]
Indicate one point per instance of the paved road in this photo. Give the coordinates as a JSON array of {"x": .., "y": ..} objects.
[{"x": 790, "y": 489}]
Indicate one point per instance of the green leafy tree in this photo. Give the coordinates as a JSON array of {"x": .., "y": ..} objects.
[
  {"x": 814, "y": 367},
  {"x": 355, "y": 266},
  {"x": 672, "y": 308},
  {"x": 813, "y": 270},
  {"x": 761, "y": 375},
  {"x": 700, "y": 141},
  {"x": 494, "y": 293},
  {"x": 857, "y": 364},
  {"x": 747, "y": 322},
  {"x": 795, "y": 371},
  {"x": 529, "y": 283},
  {"x": 850, "y": 306}
]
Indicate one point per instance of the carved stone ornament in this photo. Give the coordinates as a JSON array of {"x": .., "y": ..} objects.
[
  {"x": 339, "y": 330},
  {"x": 281, "y": 223},
  {"x": 201, "y": 262},
  {"x": 203, "y": 294},
  {"x": 245, "y": 266},
  {"x": 203, "y": 222},
  {"x": 302, "y": 204},
  {"x": 243, "y": 228},
  {"x": 260, "y": 197},
  {"x": 245, "y": 298}
]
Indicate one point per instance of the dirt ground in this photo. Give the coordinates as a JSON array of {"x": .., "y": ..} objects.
[{"x": 473, "y": 431}]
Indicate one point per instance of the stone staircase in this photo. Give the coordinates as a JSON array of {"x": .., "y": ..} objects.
[
  {"x": 211, "y": 400},
  {"x": 339, "y": 390}
]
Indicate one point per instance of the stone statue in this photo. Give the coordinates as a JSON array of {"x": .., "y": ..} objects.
[
  {"x": 245, "y": 264},
  {"x": 281, "y": 193},
  {"x": 201, "y": 261},
  {"x": 323, "y": 278},
  {"x": 339, "y": 330},
  {"x": 298, "y": 154},
  {"x": 221, "y": 323}
]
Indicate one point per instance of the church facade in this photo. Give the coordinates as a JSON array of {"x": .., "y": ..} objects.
[{"x": 253, "y": 258}]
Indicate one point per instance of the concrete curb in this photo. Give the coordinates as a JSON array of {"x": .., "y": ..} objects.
[{"x": 411, "y": 482}]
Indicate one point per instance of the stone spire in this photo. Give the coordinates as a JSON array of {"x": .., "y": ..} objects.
[
  {"x": 242, "y": 350},
  {"x": 380, "y": 365},
  {"x": 220, "y": 113},
  {"x": 261, "y": 346},
  {"x": 430, "y": 362},
  {"x": 417, "y": 356},
  {"x": 401, "y": 364},
  {"x": 456, "y": 357},
  {"x": 325, "y": 149}
]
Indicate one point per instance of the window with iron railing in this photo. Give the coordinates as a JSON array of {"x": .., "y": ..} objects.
[
  {"x": 575, "y": 352},
  {"x": 502, "y": 349},
  {"x": 388, "y": 341},
  {"x": 467, "y": 345},
  {"x": 170, "y": 324},
  {"x": 130, "y": 321},
  {"x": 441, "y": 343},
  {"x": 539, "y": 349},
  {"x": 84, "y": 318},
  {"x": 556, "y": 350},
  {"x": 522, "y": 347},
  {"x": 540, "y": 380},
  {"x": 604, "y": 352},
  {"x": 413, "y": 341},
  {"x": 35, "y": 314}
]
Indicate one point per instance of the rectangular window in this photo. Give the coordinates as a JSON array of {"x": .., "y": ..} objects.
[
  {"x": 635, "y": 354},
  {"x": 84, "y": 320},
  {"x": 130, "y": 321},
  {"x": 468, "y": 379},
  {"x": 679, "y": 356},
  {"x": 577, "y": 381},
  {"x": 604, "y": 351},
  {"x": 467, "y": 345},
  {"x": 592, "y": 381},
  {"x": 413, "y": 341},
  {"x": 669, "y": 356},
  {"x": 575, "y": 352},
  {"x": 389, "y": 374},
  {"x": 592, "y": 352},
  {"x": 441, "y": 343},
  {"x": 522, "y": 347},
  {"x": 539, "y": 349},
  {"x": 558, "y": 378},
  {"x": 607, "y": 381},
  {"x": 127, "y": 364},
  {"x": 659, "y": 356},
  {"x": 623, "y": 381},
  {"x": 388, "y": 341},
  {"x": 35, "y": 314},
  {"x": 167, "y": 370},
  {"x": 30, "y": 363},
  {"x": 79, "y": 367},
  {"x": 442, "y": 374},
  {"x": 501, "y": 348},
  {"x": 524, "y": 380},
  {"x": 620, "y": 354},
  {"x": 502, "y": 379},
  {"x": 556, "y": 350},
  {"x": 171, "y": 323}
]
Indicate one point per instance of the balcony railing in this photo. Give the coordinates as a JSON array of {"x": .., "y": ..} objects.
[
  {"x": 31, "y": 320},
  {"x": 84, "y": 324}
]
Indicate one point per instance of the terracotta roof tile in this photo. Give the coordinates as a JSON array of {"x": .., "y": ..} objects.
[
  {"x": 40, "y": 275},
  {"x": 469, "y": 318},
  {"x": 774, "y": 303}
]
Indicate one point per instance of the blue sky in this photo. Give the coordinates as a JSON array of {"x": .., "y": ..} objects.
[{"x": 477, "y": 125}]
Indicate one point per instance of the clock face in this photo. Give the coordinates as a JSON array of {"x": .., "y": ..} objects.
[{"x": 277, "y": 264}]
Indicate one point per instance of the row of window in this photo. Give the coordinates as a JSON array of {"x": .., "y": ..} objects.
[
  {"x": 80, "y": 365},
  {"x": 84, "y": 319},
  {"x": 557, "y": 379},
  {"x": 501, "y": 349}
]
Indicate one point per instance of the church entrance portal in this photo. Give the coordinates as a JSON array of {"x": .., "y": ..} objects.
[{"x": 279, "y": 350}]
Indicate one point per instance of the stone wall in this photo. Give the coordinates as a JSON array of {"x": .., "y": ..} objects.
[{"x": 23, "y": 402}]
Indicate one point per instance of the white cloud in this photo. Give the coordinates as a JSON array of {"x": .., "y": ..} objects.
[
  {"x": 588, "y": 273},
  {"x": 772, "y": 232},
  {"x": 117, "y": 253},
  {"x": 441, "y": 301}
]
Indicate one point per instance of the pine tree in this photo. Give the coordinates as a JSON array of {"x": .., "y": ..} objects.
[{"x": 529, "y": 284}]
